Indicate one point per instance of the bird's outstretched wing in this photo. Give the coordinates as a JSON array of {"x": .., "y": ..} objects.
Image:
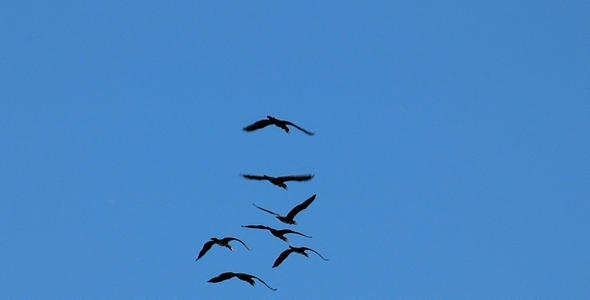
[
  {"x": 266, "y": 210},
  {"x": 235, "y": 239},
  {"x": 291, "y": 215},
  {"x": 296, "y": 177},
  {"x": 268, "y": 286},
  {"x": 255, "y": 177},
  {"x": 206, "y": 248},
  {"x": 222, "y": 277},
  {"x": 282, "y": 257},
  {"x": 257, "y": 227},
  {"x": 257, "y": 125},
  {"x": 316, "y": 253},
  {"x": 285, "y": 231},
  {"x": 306, "y": 131}
]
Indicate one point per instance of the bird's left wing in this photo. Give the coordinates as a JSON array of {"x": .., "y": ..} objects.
[
  {"x": 222, "y": 277},
  {"x": 282, "y": 257},
  {"x": 266, "y": 210},
  {"x": 206, "y": 248},
  {"x": 255, "y": 177},
  {"x": 257, "y": 125}
]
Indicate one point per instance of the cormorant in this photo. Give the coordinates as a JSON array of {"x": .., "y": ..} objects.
[
  {"x": 289, "y": 218},
  {"x": 241, "y": 276},
  {"x": 278, "y": 233},
  {"x": 221, "y": 242},
  {"x": 270, "y": 120},
  {"x": 279, "y": 181},
  {"x": 300, "y": 250}
]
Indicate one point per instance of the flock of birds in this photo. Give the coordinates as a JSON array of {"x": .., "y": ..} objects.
[{"x": 289, "y": 218}]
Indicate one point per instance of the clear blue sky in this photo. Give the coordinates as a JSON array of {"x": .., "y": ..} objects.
[{"x": 452, "y": 148}]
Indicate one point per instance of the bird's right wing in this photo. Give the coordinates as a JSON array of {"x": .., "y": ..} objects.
[
  {"x": 235, "y": 239},
  {"x": 291, "y": 215},
  {"x": 306, "y": 131},
  {"x": 282, "y": 257},
  {"x": 257, "y": 125},
  {"x": 316, "y": 253},
  {"x": 295, "y": 232},
  {"x": 266, "y": 210},
  {"x": 206, "y": 248},
  {"x": 296, "y": 177}
]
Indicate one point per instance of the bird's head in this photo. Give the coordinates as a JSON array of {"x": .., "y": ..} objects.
[
  {"x": 284, "y": 220},
  {"x": 271, "y": 117}
]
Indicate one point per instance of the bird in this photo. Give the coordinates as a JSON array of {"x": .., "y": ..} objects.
[
  {"x": 241, "y": 276},
  {"x": 221, "y": 242},
  {"x": 278, "y": 233},
  {"x": 290, "y": 217},
  {"x": 270, "y": 120},
  {"x": 300, "y": 250},
  {"x": 279, "y": 181}
]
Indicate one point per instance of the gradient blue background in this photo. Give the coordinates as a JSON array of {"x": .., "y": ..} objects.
[{"x": 452, "y": 154}]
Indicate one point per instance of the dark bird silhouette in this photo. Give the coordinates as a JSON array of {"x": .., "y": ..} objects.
[
  {"x": 241, "y": 276},
  {"x": 221, "y": 242},
  {"x": 278, "y": 233},
  {"x": 279, "y": 181},
  {"x": 300, "y": 250},
  {"x": 290, "y": 217},
  {"x": 274, "y": 121}
]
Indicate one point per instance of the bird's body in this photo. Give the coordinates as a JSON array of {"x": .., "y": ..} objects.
[
  {"x": 290, "y": 217},
  {"x": 224, "y": 242},
  {"x": 241, "y": 276},
  {"x": 270, "y": 120},
  {"x": 277, "y": 233},
  {"x": 279, "y": 181},
  {"x": 299, "y": 250}
]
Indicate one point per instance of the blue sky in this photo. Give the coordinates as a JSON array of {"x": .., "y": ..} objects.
[{"x": 451, "y": 155}]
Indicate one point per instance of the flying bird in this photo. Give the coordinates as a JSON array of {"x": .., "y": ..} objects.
[
  {"x": 300, "y": 250},
  {"x": 241, "y": 276},
  {"x": 221, "y": 242},
  {"x": 270, "y": 120},
  {"x": 278, "y": 233},
  {"x": 290, "y": 217},
  {"x": 279, "y": 181}
]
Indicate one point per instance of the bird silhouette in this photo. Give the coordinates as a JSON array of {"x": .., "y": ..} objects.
[
  {"x": 221, "y": 242},
  {"x": 290, "y": 217},
  {"x": 241, "y": 276},
  {"x": 299, "y": 250},
  {"x": 278, "y": 233},
  {"x": 279, "y": 181},
  {"x": 270, "y": 120}
]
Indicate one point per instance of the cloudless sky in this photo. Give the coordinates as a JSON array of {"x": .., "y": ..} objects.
[{"x": 451, "y": 155}]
